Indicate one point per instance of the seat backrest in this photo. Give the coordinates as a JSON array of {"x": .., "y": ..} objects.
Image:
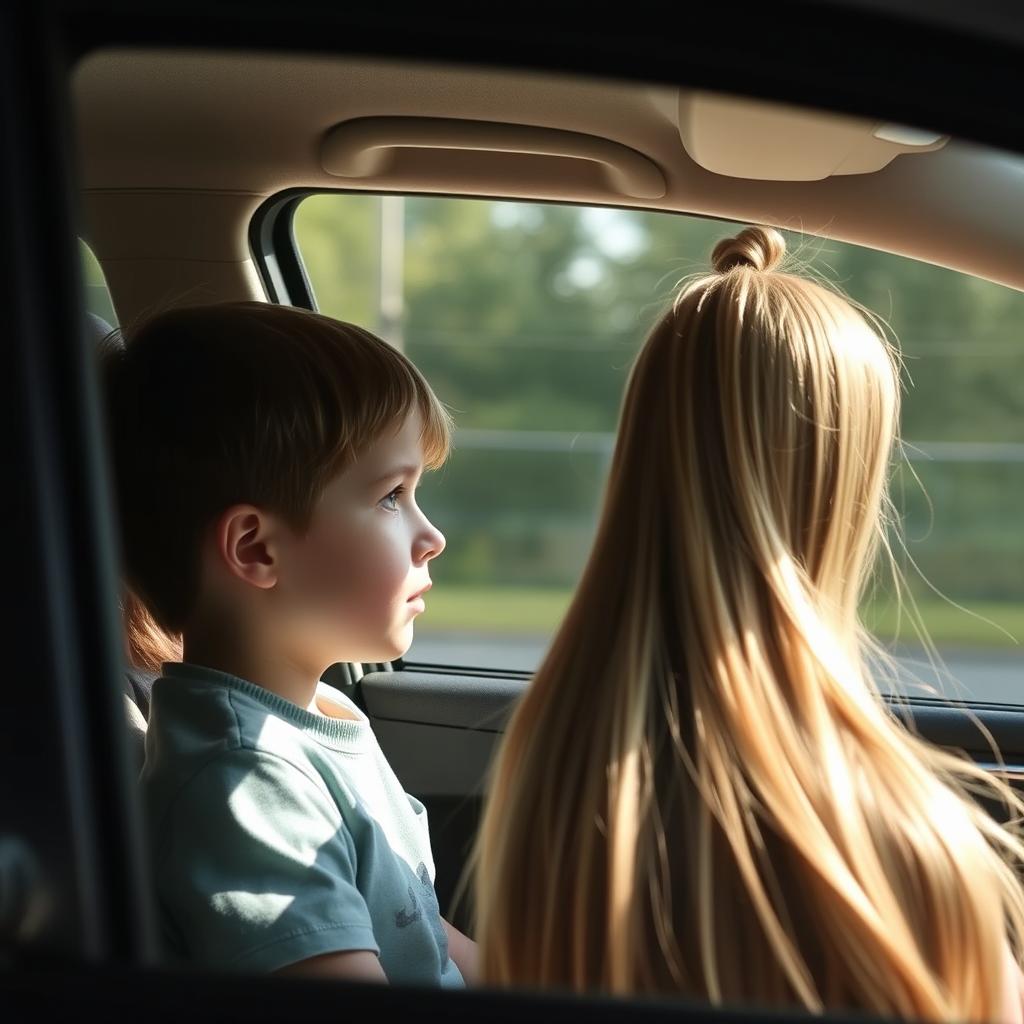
[
  {"x": 136, "y": 732},
  {"x": 137, "y": 693},
  {"x": 137, "y": 684}
]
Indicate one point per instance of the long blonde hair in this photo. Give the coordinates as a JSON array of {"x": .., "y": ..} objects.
[{"x": 702, "y": 790}]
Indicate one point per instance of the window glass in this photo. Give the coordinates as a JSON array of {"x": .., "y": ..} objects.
[{"x": 525, "y": 318}]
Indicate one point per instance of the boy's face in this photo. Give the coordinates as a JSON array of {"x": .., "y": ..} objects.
[{"x": 355, "y": 581}]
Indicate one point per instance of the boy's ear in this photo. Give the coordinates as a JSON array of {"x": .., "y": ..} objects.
[{"x": 244, "y": 540}]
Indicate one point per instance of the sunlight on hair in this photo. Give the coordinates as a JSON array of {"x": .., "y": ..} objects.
[{"x": 702, "y": 791}]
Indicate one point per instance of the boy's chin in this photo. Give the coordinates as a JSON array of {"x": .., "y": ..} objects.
[
  {"x": 401, "y": 647},
  {"x": 390, "y": 649},
  {"x": 383, "y": 647}
]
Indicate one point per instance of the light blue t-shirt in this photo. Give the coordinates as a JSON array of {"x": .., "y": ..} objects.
[{"x": 279, "y": 833}]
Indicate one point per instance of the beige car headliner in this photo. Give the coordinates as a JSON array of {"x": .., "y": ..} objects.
[{"x": 178, "y": 149}]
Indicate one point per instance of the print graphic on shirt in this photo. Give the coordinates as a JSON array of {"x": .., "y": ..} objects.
[
  {"x": 403, "y": 917},
  {"x": 406, "y": 916},
  {"x": 440, "y": 936}
]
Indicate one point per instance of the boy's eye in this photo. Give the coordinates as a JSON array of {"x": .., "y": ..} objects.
[{"x": 390, "y": 501}]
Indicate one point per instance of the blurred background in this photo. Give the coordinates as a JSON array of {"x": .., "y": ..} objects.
[{"x": 525, "y": 319}]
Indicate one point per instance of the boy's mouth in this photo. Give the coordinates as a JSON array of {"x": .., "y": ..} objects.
[{"x": 419, "y": 593}]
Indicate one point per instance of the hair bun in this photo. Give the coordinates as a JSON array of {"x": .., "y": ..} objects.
[{"x": 759, "y": 248}]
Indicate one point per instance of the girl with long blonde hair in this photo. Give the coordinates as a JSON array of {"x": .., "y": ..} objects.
[{"x": 702, "y": 791}]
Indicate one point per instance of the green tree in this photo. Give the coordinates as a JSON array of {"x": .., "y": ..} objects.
[{"x": 525, "y": 317}]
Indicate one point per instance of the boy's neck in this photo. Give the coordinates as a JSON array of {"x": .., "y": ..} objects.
[{"x": 281, "y": 676}]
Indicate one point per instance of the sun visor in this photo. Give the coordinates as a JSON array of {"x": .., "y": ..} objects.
[{"x": 753, "y": 139}]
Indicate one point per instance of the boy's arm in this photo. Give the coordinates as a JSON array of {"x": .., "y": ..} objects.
[
  {"x": 354, "y": 965},
  {"x": 263, "y": 875},
  {"x": 362, "y": 965},
  {"x": 462, "y": 949}
]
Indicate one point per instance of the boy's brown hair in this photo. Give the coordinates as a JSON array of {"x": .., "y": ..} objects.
[{"x": 242, "y": 402}]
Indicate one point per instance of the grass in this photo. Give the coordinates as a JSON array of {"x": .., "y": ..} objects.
[
  {"x": 984, "y": 624},
  {"x": 524, "y": 611},
  {"x": 497, "y": 610}
]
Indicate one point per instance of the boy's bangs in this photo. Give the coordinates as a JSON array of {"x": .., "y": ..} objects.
[
  {"x": 437, "y": 430},
  {"x": 390, "y": 386}
]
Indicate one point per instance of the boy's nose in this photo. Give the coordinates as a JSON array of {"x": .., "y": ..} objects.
[{"x": 432, "y": 542}]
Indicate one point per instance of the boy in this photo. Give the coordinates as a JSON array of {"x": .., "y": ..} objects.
[{"x": 266, "y": 462}]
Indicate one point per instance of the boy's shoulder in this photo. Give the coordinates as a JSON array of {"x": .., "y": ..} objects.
[
  {"x": 206, "y": 727},
  {"x": 197, "y": 713}
]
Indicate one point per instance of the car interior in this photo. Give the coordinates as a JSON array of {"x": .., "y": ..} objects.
[
  {"x": 192, "y": 168},
  {"x": 193, "y": 165}
]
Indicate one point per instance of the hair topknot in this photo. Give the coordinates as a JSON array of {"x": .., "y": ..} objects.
[{"x": 758, "y": 248}]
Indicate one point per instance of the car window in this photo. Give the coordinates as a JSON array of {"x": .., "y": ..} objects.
[
  {"x": 97, "y": 295},
  {"x": 525, "y": 318}
]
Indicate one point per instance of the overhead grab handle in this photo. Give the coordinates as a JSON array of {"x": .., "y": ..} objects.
[{"x": 362, "y": 148}]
